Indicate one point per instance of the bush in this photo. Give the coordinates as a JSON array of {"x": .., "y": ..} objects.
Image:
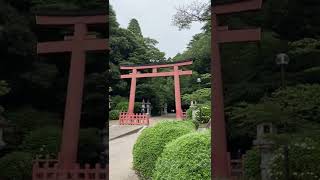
[
  {"x": 252, "y": 164},
  {"x": 123, "y": 106},
  {"x": 89, "y": 145},
  {"x": 28, "y": 118},
  {"x": 196, "y": 123},
  {"x": 204, "y": 114},
  {"x": 152, "y": 141},
  {"x": 188, "y": 157},
  {"x": 304, "y": 159},
  {"x": 114, "y": 114},
  {"x": 16, "y": 166},
  {"x": 47, "y": 140},
  {"x": 43, "y": 141},
  {"x": 189, "y": 113},
  {"x": 116, "y": 100}
]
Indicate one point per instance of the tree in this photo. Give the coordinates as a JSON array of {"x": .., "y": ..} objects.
[
  {"x": 201, "y": 96},
  {"x": 134, "y": 27},
  {"x": 195, "y": 11}
]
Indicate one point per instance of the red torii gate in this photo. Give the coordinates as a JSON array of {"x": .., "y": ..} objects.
[
  {"x": 176, "y": 73},
  {"x": 221, "y": 34},
  {"x": 77, "y": 45}
]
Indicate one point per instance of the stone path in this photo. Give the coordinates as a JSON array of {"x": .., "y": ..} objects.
[
  {"x": 120, "y": 158},
  {"x": 117, "y": 131}
]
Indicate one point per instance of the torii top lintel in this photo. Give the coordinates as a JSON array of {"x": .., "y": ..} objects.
[
  {"x": 71, "y": 17},
  {"x": 224, "y": 35},
  {"x": 236, "y": 7},
  {"x": 81, "y": 38},
  {"x": 175, "y": 66}
]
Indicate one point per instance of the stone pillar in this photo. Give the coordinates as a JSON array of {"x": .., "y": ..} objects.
[
  {"x": 194, "y": 109},
  {"x": 265, "y": 147},
  {"x": 165, "y": 109}
]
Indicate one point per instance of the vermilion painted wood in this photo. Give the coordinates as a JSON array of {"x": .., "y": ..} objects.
[
  {"x": 237, "y": 7},
  {"x": 184, "y": 63},
  {"x": 155, "y": 74},
  {"x": 78, "y": 45},
  {"x": 176, "y": 73},
  {"x": 222, "y": 34},
  {"x": 133, "y": 119},
  {"x": 246, "y": 35},
  {"x": 71, "y": 20},
  {"x": 177, "y": 92}
]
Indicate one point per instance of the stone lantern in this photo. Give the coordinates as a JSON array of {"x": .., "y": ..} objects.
[
  {"x": 148, "y": 104},
  {"x": 265, "y": 147},
  {"x": 165, "y": 109},
  {"x": 143, "y": 106},
  {"x": 194, "y": 109}
]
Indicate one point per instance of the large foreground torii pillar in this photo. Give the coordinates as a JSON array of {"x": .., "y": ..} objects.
[
  {"x": 176, "y": 73},
  {"x": 221, "y": 34},
  {"x": 77, "y": 44}
]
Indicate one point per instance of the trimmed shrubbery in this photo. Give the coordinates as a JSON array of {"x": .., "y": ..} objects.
[
  {"x": 189, "y": 113},
  {"x": 187, "y": 157},
  {"x": 152, "y": 141},
  {"x": 123, "y": 106},
  {"x": 204, "y": 113},
  {"x": 252, "y": 164},
  {"x": 43, "y": 141},
  {"x": 16, "y": 166},
  {"x": 89, "y": 145},
  {"x": 114, "y": 114},
  {"x": 304, "y": 158}
]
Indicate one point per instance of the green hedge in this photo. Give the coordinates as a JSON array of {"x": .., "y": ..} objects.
[
  {"x": 189, "y": 113},
  {"x": 16, "y": 166},
  {"x": 152, "y": 141},
  {"x": 43, "y": 141},
  {"x": 252, "y": 164},
  {"x": 123, "y": 106},
  {"x": 188, "y": 157},
  {"x": 304, "y": 161},
  {"x": 204, "y": 114},
  {"x": 28, "y": 118},
  {"x": 47, "y": 140},
  {"x": 89, "y": 145},
  {"x": 114, "y": 114}
]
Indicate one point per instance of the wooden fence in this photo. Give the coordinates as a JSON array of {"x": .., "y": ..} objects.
[
  {"x": 133, "y": 119},
  {"x": 49, "y": 170}
]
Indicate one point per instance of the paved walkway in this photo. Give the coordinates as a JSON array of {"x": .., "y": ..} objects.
[
  {"x": 120, "y": 149},
  {"x": 120, "y": 158},
  {"x": 116, "y": 131}
]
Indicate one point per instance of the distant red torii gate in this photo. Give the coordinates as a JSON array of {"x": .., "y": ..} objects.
[{"x": 176, "y": 73}]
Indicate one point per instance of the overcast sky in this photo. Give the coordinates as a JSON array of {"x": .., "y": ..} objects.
[{"x": 155, "y": 19}]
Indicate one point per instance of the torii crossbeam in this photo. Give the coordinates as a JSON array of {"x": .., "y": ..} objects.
[
  {"x": 77, "y": 45},
  {"x": 176, "y": 73},
  {"x": 221, "y": 34}
]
